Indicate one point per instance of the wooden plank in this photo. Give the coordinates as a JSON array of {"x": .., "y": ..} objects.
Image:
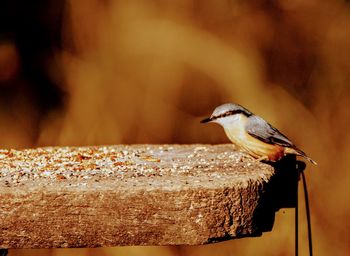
[{"x": 135, "y": 195}]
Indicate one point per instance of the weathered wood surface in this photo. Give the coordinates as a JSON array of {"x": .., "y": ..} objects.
[{"x": 135, "y": 195}]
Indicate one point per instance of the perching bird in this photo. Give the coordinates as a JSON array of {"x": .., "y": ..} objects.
[{"x": 253, "y": 134}]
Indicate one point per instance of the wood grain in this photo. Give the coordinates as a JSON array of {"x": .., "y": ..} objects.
[{"x": 136, "y": 195}]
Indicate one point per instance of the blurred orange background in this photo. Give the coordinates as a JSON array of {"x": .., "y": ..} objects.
[{"x": 107, "y": 72}]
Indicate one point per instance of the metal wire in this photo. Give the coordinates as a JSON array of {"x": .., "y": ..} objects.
[
  {"x": 296, "y": 218},
  {"x": 307, "y": 206},
  {"x": 3, "y": 252},
  {"x": 308, "y": 216}
]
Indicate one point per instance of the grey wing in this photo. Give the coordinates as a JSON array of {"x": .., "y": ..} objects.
[{"x": 260, "y": 129}]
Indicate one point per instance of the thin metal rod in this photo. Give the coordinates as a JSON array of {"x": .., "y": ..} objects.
[
  {"x": 307, "y": 206},
  {"x": 3, "y": 252},
  {"x": 296, "y": 218}
]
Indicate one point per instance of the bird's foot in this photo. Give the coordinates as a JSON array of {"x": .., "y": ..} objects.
[{"x": 262, "y": 158}]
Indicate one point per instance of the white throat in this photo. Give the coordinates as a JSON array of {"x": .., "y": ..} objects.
[
  {"x": 230, "y": 121},
  {"x": 234, "y": 127}
]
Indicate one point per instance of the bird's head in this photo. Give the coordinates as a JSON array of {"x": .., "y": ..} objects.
[{"x": 227, "y": 114}]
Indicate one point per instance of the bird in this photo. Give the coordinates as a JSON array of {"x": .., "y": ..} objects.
[{"x": 253, "y": 135}]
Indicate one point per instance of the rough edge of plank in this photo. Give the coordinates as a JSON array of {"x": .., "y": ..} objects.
[{"x": 182, "y": 194}]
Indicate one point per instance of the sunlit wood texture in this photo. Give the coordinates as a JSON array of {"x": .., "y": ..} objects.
[{"x": 136, "y": 195}]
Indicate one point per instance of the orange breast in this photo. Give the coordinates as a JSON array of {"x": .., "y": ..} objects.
[
  {"x": 252, "y": 145},
  {"x": 258, "y": 148}
]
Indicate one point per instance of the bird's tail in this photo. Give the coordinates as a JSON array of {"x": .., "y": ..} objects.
[{"x": 299, "y": 152}]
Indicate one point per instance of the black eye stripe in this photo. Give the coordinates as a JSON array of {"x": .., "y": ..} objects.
[{"x": 230, "y": 113}]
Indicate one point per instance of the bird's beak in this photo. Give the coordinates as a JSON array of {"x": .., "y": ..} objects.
[{"x": 207, "y": 120}]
